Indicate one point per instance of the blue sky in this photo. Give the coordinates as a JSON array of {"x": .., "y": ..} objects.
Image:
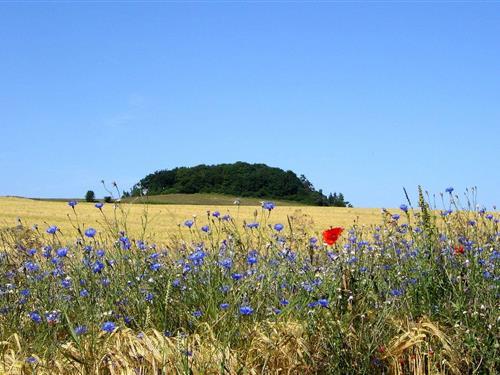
[{"x": 361, "y": 98}]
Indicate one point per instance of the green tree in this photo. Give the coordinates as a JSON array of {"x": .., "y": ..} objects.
[{"x": 90, "y": 196}]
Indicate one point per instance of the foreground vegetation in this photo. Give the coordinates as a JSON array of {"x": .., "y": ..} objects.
[{"x": 415, "y": 294}]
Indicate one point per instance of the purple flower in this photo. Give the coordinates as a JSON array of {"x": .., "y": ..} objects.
[
  {"x": 224, "y": 306},
  {"x": 99, "y": 205},
  {"x": 278, "y": 227},
  {"x": 35, "y": 316},
  {"x": 246, "y": 310},
  {"x": 72, "y": 203},
  {"x": 155, "y": 266},
  {"x": 323, "y": 302},
  {"x": 236, "y": 276},
  {"x": 84, "y": 293},
  {"x": 252, "y": 225},
  {"x": 404, "y": 208},
  {"x": 62, "y": 252},
  {"x": 268, "y": 205},
  {"x": 197, "y": 314},
  {"x": 52, "y": 229},
  {"x": 205, "y": 228},
  {"x": 189, "y": 223},
  {"x": 108, "y": 327},
  {"x": 81, "y": 330},
  {"x": 395, "y": 217},
  {"x": 216, "y": 214},
  {"x": 449, "y": 190},
  {"x": 91, "y": 232}
]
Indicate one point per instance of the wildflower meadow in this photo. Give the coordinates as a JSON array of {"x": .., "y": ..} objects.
[{"x": 415, "y": 294}]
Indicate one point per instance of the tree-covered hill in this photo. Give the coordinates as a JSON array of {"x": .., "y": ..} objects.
[{"x": 239, "y": 179}]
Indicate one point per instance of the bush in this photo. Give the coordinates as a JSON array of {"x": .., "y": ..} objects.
[{"x": 108, "y": 199}]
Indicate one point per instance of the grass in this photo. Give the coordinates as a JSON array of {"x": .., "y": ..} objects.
[
  {"x": 165, "y": 219},
  {"x": 417, "y": 293}
]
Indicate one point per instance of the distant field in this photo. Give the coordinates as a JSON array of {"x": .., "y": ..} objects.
[{"x": 165, "y": 219}]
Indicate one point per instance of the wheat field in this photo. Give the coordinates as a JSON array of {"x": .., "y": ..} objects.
[{"x": 164, "y": 220}]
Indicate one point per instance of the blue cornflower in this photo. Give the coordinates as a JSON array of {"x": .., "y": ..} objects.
[
  {"x": 226, "y": 217},
  {"x": 35, "y": 316},
  {"x": 404, "y": 208},
  {"x": 224, "y": 306},
  {"x": 487, "y": 275},
  {"x": 155, "y": 266},
  {"x": 149, "y": 297},
  {"x": 449, "y": 190},
  {"x": 395, "y": 217},
  {"x": 100, "y": 253},
  {"x": 84, "y": 293},
  {"x": 31, "y": 252},
  {"x": 236, "y": 276},
  {"x": 246, "y": 310},
  {"x": 472, "y": 223},
  {"x": 284, "y": 302},
  {"x": 125, "y": 243},
  {"x": 99, "y": 205},
  {"x": 252, "y": 258},
  {"x": 66, "y": 283},
  {"x": 205, "y": 228},
  {"x": 276, "y": 311},
  {"x": 97, "y": 267},
  {"x": 227, "y": 263},
  {"x": 278, "y": 227},
  {"x": 53, "y": 317},
  {"x": 52, "y": 229},
  {"x": 72, "y": 203},
  {"x": 489, "y": 216},
  {"x": 31, "y": 266},
  {"x": 91, "y": 232},
  {"x": 268, "y": 205},
  {"x": 62, "y": 252},
  {"x": 108, "y": 327},
  {"x": 81, "y": 330},
  {"x": 313, "y": 240},
  {"x": 216, "y": 214},
  {"x": 396, "y": 292},
  {"x": 197, "y": 314},
  {"x": 312, "y": 304},
  {"x": 323, "y": 302},
  {"x": 189, "y": 223},
  {"x": 31, "y": 360},
  {"x": 252, "y": 225},
  {"x": 25, "y": 292},
  {"x": 176, "y": 283}
]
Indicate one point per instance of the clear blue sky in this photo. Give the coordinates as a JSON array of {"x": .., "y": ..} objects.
[{"x": 361, "y": 98}]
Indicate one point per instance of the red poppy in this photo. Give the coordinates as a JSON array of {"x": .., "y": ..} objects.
[
  {"x": 458, "y": 249},
  {"x": 330, "y": 236}
]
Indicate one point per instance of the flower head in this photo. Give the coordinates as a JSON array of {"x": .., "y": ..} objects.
[
  {"x": 268, "y": 205},
  {"x": 108, "y": 327},
  {"x": 99, "y": 205},
  {"x": 91, "y": 232},
  {"x": 189, "y": 223},
  {"x": 52, "y": 229},
  {"x": 246, "y": 310},
  {"x": 278, "y": 227},
  {"x": 330, "y": 236},
  {"x": 72, "y": 203}
]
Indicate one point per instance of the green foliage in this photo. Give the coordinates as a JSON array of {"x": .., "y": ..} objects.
[
  {"x": 108, "y": 199},
  {"x": 90, "y": 196},
  {"x": 237, "y": 179}
]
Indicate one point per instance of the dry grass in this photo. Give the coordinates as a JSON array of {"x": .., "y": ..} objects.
[
  {"x": 422, "y": 348},
  {"x": 165, "y": 219},
  {"x": 273, "y": 348}
]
